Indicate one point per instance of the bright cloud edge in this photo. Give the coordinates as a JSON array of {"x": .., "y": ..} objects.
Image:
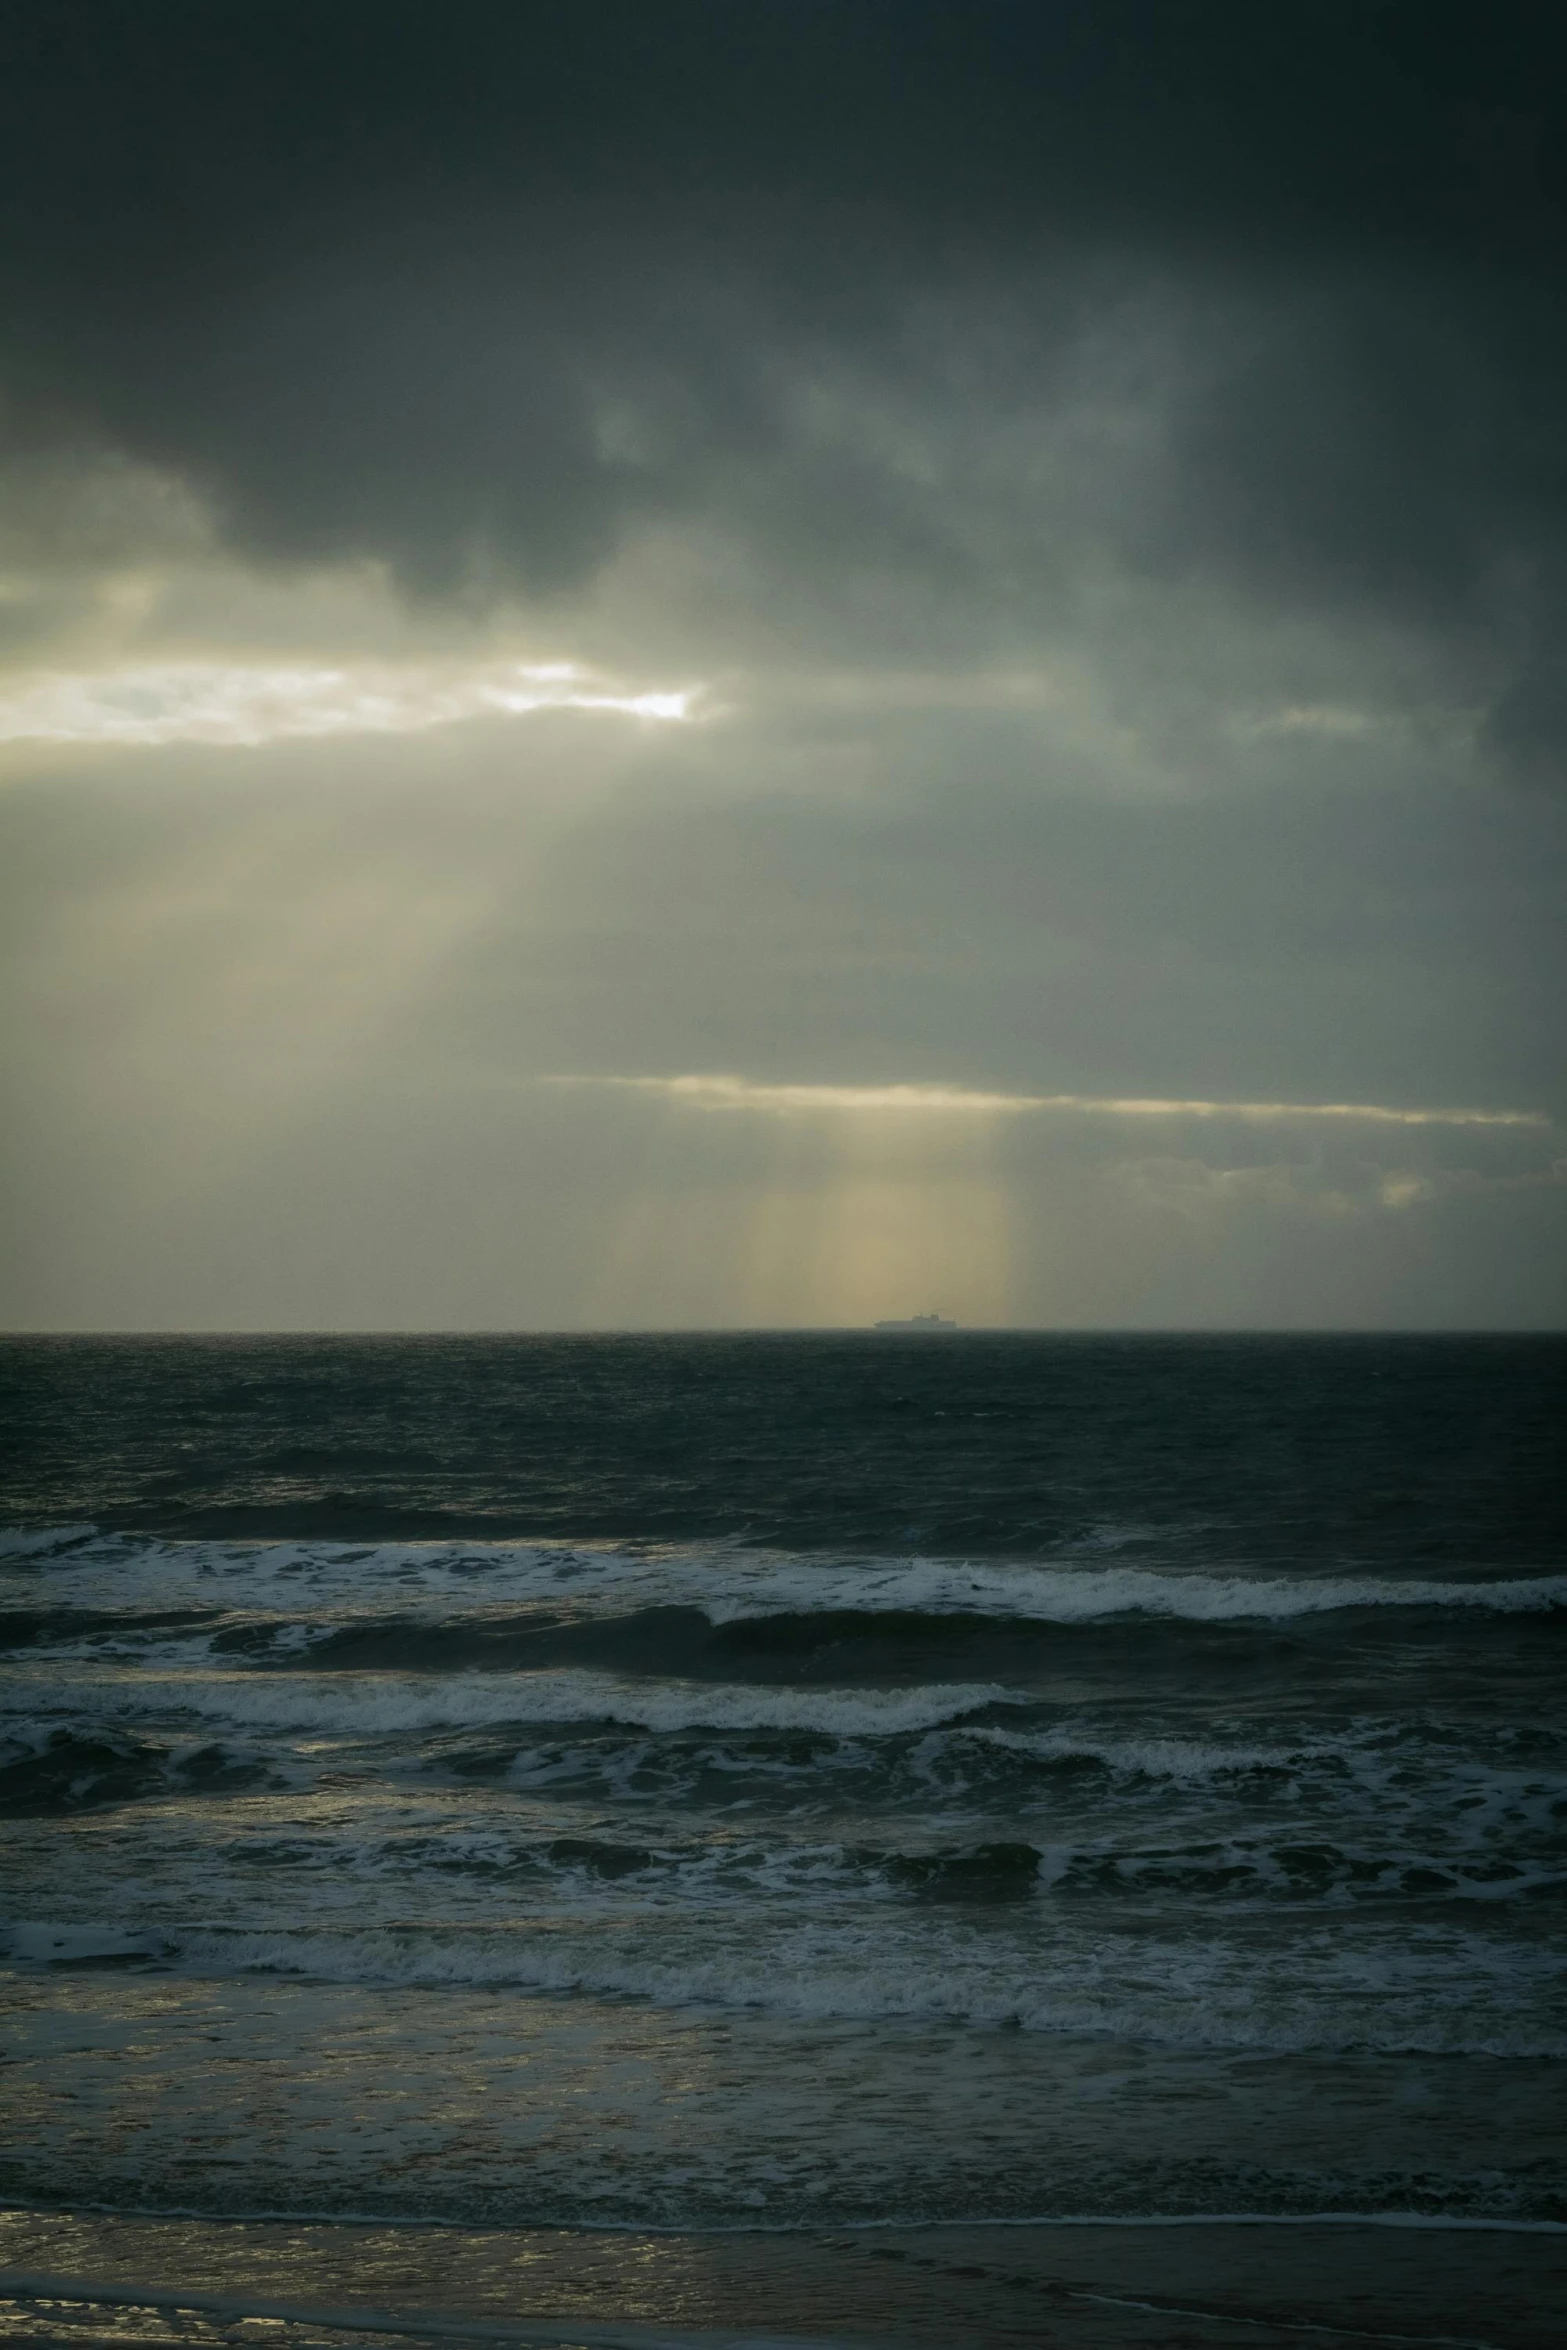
[
  {"x": 723, "y": 1092},
  {"x": 241, "y": 706}
]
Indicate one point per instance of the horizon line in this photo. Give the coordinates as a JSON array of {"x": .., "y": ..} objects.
[{"x": 816, "y": 1330}]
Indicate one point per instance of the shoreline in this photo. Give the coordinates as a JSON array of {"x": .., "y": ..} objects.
[
  {"x": 1291, "y": 2284},
  {"x": 396, "y": 2223}
]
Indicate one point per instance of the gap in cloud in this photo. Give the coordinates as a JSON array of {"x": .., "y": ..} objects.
[
  {"x": 244, "y": 705},
  {"x": 739, "y": 1093}
]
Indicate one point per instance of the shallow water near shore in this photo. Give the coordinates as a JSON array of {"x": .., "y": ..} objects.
[
  {"x": 697, "y": 1784},
  {"x": 66, "y": 2277}
]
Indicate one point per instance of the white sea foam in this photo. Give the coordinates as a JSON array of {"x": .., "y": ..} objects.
[
  {"x": 382, "y": 1704},
  {"x": 1086, "y": 1594},
  {"x": 1186, "y": 1760},
  {"x": 20, "y": 1542},
  {"x": 1356, "y": 1761},
  {"x": 72, "y": 1945},
  {"x": 1209, "y": 1996},
  {"x": 725, "y": 1583}
]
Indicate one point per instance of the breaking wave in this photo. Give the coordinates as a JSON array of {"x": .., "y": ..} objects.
[
  {"x": 725, "y": 1583},
  {"x": 1218, "y": 1999}
]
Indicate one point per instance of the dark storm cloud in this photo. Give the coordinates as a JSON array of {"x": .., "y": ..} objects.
[{"x": 479, "y": 291}]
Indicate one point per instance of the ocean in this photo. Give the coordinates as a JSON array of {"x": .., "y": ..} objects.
[{"x": 782, "y": 1782}]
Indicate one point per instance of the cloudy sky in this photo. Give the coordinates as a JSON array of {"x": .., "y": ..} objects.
[{"x": 710, "y": 662}]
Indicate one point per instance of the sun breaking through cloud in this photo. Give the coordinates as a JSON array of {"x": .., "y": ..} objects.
[
  {"x": 208, "y": 702},
  {"x": 739, "y": 1093},
  {"x": 1023, "y": 549}
]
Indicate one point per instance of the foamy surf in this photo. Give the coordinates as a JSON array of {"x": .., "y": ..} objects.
[
  {"x": 1108, "y": 1781},
  {"x": 726, "y": 1583},
  {"x": 831, "y": 1972},
  {"x": 381, "y": 1705}
]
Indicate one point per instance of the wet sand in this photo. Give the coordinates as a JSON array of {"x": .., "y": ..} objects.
[{"x": 82, "y": 2277}]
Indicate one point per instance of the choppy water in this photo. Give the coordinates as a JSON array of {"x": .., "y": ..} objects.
[{"x": 687, "y": 1780}]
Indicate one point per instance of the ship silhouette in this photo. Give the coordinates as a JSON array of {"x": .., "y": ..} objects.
[{"x": 919, "y": 1322}]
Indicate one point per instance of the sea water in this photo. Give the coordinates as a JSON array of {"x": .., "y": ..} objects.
[{"x": 728, "y": 1781}]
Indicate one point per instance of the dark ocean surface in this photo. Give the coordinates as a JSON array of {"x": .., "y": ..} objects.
[{"x": 693, "y": 1781}]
